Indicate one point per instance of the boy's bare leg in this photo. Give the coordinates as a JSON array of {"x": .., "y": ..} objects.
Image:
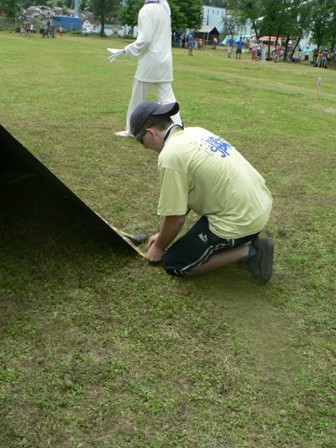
[{"x": 221, "y": 259}]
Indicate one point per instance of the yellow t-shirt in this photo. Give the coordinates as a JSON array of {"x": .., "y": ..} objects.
[{"x": 202, "y": 172}]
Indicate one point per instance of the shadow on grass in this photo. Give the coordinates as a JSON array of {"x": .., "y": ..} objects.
[{"x": 41, "y": 226}]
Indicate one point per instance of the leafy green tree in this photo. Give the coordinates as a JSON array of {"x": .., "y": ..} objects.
[
  {"x": 216, "y": 3},
  {"x": 84, "y": 5},
  {"x": 286, "y": 19},
  {"x": 104, "y": 10},
  {"x": 9, "y": 8},
  {"x": 276, "y": 19},
  {"x": 230, "y": 23},
  {"x": 128, "y": 13},
  {"x": 184, "y": 13},
  {"x": 332, "y": 28},
  {"x": 26, "y": 3},
  {"x": 289, "y": 20},
  {"x": 243, "y": 10},
  {"x": 324, "y": 23},
  {"x": 299, "y": 20}
]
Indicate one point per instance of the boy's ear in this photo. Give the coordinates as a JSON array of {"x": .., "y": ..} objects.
[{"x": 151, "y": 130}]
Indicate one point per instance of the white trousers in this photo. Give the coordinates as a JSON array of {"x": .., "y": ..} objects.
[{"x": 140, "y": 92}]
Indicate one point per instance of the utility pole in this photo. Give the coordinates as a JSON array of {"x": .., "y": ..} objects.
[{"x": 76, "y": 8}]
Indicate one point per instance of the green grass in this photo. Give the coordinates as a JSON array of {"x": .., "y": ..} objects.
[{"x": 98, "y": 348}]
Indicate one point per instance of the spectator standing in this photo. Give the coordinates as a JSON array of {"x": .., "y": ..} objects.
[
  {"x": 277, "y": 53},
  {"x": 230, "y": 43},
  {"x": 315, "y": 55},
  {"x": 262, "y": 51},
  {"x": 47, "y": 28},
  {"x": 190, "y": 44},
  {"x": 42, "y": 27},
  {"x": 153, "y": 50},
  {"x": 254, "y": 49},
  {"x": 324, "y": 58},
  {"x": 282, "y": 52},
  {"x": 239, "y": 48},
  {"x": 307, "y": 55},
  {"x": 52, "y": 28}
]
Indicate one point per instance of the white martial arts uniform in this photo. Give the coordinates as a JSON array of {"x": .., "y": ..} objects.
[{"x": 155, "y": 66}]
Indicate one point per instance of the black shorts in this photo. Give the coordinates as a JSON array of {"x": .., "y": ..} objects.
[{"x": 196, "y": 247}]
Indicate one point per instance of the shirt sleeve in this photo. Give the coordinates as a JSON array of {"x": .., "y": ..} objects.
[
  {"x": 173, "y": 194},
  {"x": 144, "y": 39}
]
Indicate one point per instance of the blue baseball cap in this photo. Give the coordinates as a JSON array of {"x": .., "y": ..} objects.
[{"x": 145, "y": 110}]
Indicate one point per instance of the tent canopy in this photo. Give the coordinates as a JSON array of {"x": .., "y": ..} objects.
[{"x": 207, "y": 32}]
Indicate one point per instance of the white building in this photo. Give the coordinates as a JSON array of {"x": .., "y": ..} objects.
[{"x": 213, "y": 16}]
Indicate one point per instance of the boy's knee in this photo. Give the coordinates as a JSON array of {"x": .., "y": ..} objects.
[{"x": 170, "y": 265}]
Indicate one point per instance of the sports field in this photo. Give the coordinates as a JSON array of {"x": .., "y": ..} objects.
[{"x": 98, "y": 348}]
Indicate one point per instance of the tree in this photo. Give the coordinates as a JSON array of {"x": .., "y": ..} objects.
[
  {"x": 243, "y": 10},
  {"x": 84, "y": 5},
  {"x": 216, "y": 3},
  {"x": 324, "y": 23},
  {"x": 299, "y": 20},
  {"x": 128, "y": 12},
  {"x": 104, "y": 9},
  {"x": 332, "y": 28},
  {"x": 184, "y": 13},
  {"x": 230, "y": 23},
  {"x": 289, "y": 20},
  {"x": 276, "y": 20},
  {"x": 9, "y": 8},
  {"x": 26, "y": 3}
]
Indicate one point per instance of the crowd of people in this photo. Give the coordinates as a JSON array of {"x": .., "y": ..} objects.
[
  {"x": 259, "y": 49},
  {"x": 47, "y": 28},
  {"x": 191, "y": 42},
  {"x": 320, "y": 57},
  {"x": 27, "y": 29}
]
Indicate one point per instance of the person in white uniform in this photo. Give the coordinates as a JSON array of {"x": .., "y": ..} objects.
[{"x": 153, "y": 50}]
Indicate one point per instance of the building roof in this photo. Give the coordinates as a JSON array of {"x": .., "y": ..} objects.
[{"x": 208, "y": 29}]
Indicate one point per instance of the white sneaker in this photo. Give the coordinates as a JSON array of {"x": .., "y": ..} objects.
[{"x": 123, "y": 134}]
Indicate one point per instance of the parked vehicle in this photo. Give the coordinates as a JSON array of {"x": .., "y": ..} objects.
[{"x": 68, "y": 23}]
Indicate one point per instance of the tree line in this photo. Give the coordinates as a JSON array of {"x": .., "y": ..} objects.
[{"x": 289, "y": 20}]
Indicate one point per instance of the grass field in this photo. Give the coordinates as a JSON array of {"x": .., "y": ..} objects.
[{"x": 98, "y": 349}]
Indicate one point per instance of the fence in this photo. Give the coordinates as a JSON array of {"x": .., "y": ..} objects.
[{"x": 8, "y": 23}]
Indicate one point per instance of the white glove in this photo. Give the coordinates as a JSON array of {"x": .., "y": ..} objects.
[{"x": 116, "y": 55}]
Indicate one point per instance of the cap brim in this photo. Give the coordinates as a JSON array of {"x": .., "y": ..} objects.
[{"x": 171, "y": 109}]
